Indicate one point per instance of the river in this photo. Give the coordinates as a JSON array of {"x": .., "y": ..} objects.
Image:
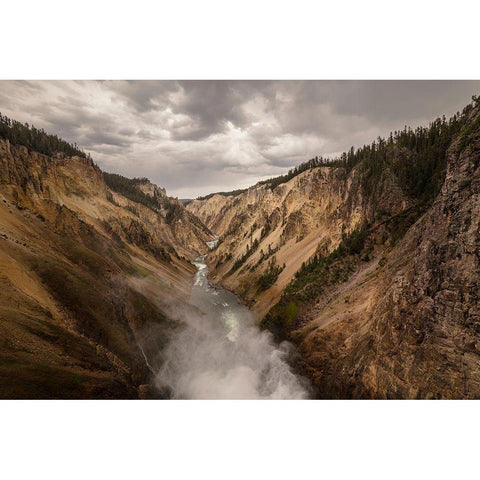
[{"x": 222, "y": 354}]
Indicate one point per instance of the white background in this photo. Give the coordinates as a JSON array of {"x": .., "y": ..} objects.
[{"x": 243, "y": 40}]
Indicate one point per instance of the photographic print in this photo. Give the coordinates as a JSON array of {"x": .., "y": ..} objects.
[{"x": 239, "y": 240}]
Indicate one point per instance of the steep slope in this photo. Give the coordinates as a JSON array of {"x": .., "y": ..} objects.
[
  {"x": 267, "y": 234},
  {"x": 176, "y": 226},
  {"x": 385, "y": 304},
  {"x": 88, "y": 278},
  {"x": 406, "y": 324}
]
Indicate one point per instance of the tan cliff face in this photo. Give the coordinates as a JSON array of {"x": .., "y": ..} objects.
[
  {"x": 151, "y": 189},
  {"x": 405, "y": 325},
  {"x": 395, "y": 316},
  {"x": 291, "y": 223},
  {"x": 88, "y": 279},
  {"x": 36, "y": 181}
]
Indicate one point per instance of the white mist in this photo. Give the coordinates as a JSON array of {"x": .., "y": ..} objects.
[{"x": 222, "y": 354}]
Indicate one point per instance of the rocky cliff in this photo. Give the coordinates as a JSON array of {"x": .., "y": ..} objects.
[
  {"x": 385, "y": 303},
  {"x": 88, "y": 277},
  {"x": 276, "y": 230},
  {"x": 406, "y": 325}
]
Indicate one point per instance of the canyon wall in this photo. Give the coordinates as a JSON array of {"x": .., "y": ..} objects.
[
  {"x": 88, "y": 278},
  {"x": 406, "y": 324},
  {"x": 379, "y": 265},
  {"x": 263, "y": 229}
]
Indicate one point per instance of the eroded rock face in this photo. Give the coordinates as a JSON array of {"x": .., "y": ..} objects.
[
  {"x": 151, "y": 189},
  {"x": 404, "y": 320},
  {"x": 291, "y": 223},
  {"x": 413, "y": 330},
  {"x": 33, "y": 179},
  {"x": 434, "y": 302},
  {"x": 87, "y": 278}
]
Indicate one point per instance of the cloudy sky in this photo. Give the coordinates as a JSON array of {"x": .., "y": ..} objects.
[{"x": 197, "y": 137}]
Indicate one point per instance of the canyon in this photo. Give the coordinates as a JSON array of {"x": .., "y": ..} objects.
[
  {"x": 361, "y": 273},
  {"x": 100, "y": 296}
]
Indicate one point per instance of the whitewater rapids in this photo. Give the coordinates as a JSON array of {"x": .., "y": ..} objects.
[{"x": 221, "y": 354}]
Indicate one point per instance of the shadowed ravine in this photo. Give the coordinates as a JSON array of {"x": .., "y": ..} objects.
[{"x": 223, "y": 354}]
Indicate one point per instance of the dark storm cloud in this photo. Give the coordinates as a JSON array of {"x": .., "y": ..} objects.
[
  {"x": 209, "y": 105},
  {"x": 212, "y": 104},
  {"x": 194, "y": 137},
  {"x": 144, "y": 95}
]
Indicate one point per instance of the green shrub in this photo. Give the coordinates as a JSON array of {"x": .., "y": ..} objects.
[{"x": 269, "y": 277}]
